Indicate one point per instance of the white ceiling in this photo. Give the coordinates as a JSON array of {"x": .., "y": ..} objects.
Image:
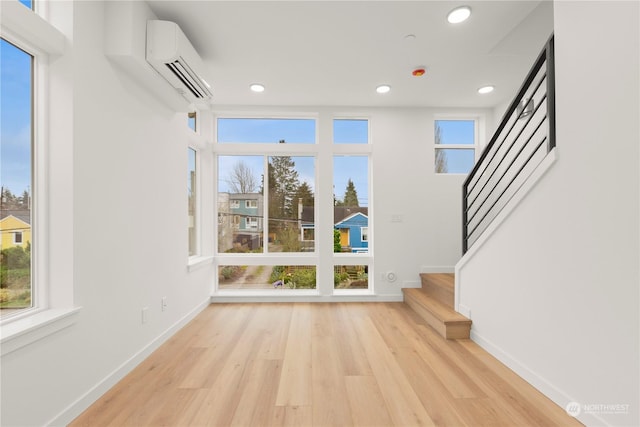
[{"x": 335, "y": 53}]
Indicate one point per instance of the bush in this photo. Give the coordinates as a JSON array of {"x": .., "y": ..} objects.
[
  {"x": 4, "y": 295},
  {"x": 16, "y": 257},
  {"x": 303, "y": 278}
]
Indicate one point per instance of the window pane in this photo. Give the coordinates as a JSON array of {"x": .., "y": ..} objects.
[
  {"x": 266, "y": 277},
  {"x": 240, "y": 204},
  {"x": 27, "y": 3},
  {"x": 350, "y": 277},
  {"x": 192, "y": 194},
  {"x": 191, "y": 120},
  {"x": 16, "y": 133},
  {"x": 454, "y": 132},
  {"x": 295, "y": 131},
  {"x": 350, "y": 131},
  {"x": 351, "y": 211},
  {"x": 451, "y": 160},
  {"x": 291, "y": 203}
]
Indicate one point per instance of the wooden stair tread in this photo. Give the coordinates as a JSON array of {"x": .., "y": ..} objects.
[
  {"x": 438, "y": 314},
  {"x": 440, "y": 310}
]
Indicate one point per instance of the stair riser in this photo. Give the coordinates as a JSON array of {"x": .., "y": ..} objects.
[
  {"x": 448, "y": 330},
  {"x": 439, "y": 287}
]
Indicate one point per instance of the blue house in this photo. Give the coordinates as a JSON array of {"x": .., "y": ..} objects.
[{"x": 353, "y": 224}]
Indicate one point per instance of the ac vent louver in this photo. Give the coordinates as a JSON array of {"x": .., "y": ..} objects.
[{"x": 189, "y": 79}]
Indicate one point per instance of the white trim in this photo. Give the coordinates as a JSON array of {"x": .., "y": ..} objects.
[
  {"x": 437, "y": 269},
  {"x": 82, "y": 403},
  {"x": 556, "y": 395},
  {"x": 31, "y": 28},
  {"x": 361, "y": 297},
  {"x": 34, "y": 327},
  {"x": 197, "y": 262}
]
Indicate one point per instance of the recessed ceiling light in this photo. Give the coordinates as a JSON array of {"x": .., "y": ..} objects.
[
  {"x": 256, "y": 87},
  {"x": 459, "y": 14},
  {"x": 383, "y": 88},
  {"x": 486, "y": 89}
]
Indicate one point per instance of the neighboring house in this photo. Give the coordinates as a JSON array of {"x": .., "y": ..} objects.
[
  {"x": 16, "y": 228},
  {"x": 352, "y": 222},
  {"x": 240, "y": 220}
]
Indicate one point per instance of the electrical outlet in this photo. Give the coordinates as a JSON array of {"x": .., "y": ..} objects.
[
  {"x": 163, "y": 305},
  {"x": 145, "y": 314}
]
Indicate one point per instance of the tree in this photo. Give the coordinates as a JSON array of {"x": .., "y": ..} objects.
[
  {"x": 283, "y": 186},
  {"x": 305, "y": 194},
  {"x": 9, "y": 201},
  {"x": 241, "y": 179},
  {"x": 441, "y": 155},
  {"x": 350, "y": 195}
]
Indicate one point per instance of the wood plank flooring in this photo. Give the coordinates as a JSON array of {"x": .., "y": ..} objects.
[{"x": 341, "y": 364}]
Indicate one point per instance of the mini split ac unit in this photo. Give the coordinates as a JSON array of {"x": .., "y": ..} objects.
[{"x": 173, "y": 56}]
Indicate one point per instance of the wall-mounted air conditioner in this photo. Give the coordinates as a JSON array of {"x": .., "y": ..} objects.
[{"x": 173, "y": 56}]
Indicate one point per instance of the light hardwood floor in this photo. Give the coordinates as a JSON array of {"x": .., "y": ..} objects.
[{"x": 344, "y": 364}]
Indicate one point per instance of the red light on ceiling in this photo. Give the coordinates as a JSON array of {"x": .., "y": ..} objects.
[{"x": 418, "y": 72}]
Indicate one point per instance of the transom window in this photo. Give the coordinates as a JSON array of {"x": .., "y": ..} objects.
[{"x": 264, "y": 130}]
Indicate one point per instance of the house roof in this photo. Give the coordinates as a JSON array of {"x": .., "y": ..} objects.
[
  {"x": 23, "y": 215},
  {"x": 340, "y": 213}
]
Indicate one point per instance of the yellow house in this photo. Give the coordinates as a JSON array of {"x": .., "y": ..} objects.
[{"x": 15, "y": 228}]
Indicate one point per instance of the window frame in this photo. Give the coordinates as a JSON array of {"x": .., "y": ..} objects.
[
  {"x": 251, "y": 204},
  {"x": 323, "y": 151},
  {"x": 475, "y": 147},
  {"x": 53, "y": 302}
]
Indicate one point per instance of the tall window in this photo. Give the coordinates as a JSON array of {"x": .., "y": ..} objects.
[
  {"x": 266, "y": 202},
  {"x": 192, "y": 201},
  {"x": 455, "y": 146},
  {"x": 16, "y": 81},
  {"x": 351, "y": 205}
]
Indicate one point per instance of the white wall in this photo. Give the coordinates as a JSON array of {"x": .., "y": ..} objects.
[
  {"x": 129, "y": 166},
  {"x": 554, "y": 291}
]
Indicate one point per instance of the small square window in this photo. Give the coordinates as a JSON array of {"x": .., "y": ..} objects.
[
  {"x": 365, "y": 234},
  {"x": 455, "y": 142},
  {"x": 17, "y": 237},
  {"x": 235, "y": 204},
  {"x": 251, "y": 204}
]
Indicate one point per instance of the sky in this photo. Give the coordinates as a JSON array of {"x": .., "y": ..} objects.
[{"x": 15, "y": 118}]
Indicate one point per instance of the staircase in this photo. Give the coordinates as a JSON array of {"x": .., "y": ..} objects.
[{"x": 434, "y": 303}]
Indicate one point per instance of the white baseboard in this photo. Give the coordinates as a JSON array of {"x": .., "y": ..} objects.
[
  {"x": 80, "y": 405},
  {"x": 437, "y": 269},
  {"x": 559, "y": 397},
  {"x": 235, "y": 298}
]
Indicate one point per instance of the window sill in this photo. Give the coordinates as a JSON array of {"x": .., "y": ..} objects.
[
  {"x": 25, "y": 331},
  {"x": 199, "y": 261}
]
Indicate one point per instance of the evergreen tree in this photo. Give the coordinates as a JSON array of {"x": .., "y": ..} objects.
[
  {"x": 283, "y": 186},
  {"x": 350, "y": 195},
  {"x": 304, "y": 192}
]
